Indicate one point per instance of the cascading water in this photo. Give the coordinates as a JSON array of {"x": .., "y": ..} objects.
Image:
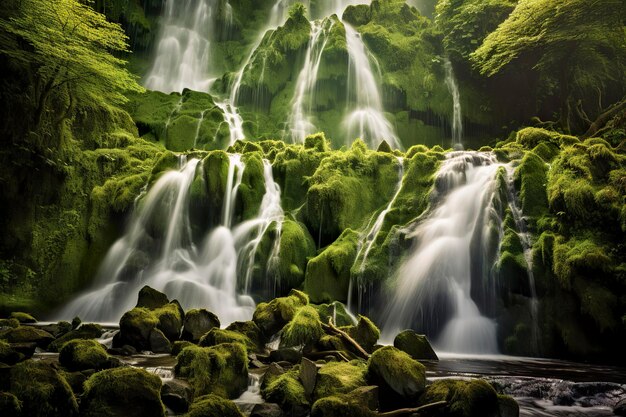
[
  {"x": 367, "y": 240},
  {"x": 182, "y": 58},
  {"x": 432, "y": 290},
  {"x": 457, "y": 118},
  {"x": 300, "y": 124},
  {"x": 365, "y": 118},
  {"x": 158, "y": 250}
]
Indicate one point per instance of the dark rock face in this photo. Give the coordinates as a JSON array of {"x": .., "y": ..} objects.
[
  {"x": 308, "y": 376},
  {"x": 151, "y": 298},
  {"x": 27, "y": 334},
  {"x": 416, "y": 345},
  {"x": 158, "y": 342},
  {"x": 176, "y": 394},
  {"x": 286, "y": 355},
  {"x": 197, "y": 323},
  {"x": 266, "y": 410}
]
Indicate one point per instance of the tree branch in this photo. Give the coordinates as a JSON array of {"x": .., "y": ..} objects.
[
  {"x": 330, "y": 327},
  {"x": 416, "y": 410}
]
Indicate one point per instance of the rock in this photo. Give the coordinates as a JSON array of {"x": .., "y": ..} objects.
[
  {"x": 266, "y": 410},
  {"x": 366, "y": 396},
  {"x": 76, "y": 321},
  {"x": 151, "y": 299},
  {"x": 42, "y": 390},
  {"x": 58, "y": 329},
  {"x": 8, "y": 355},
  {"x": 308, "y": 376},
  {"x": 340, "y": 405},
  {"x": 26, "y": 349},
  {"x": 619, "y": 409},
  {"x": 286, "y": 390},
  {"x": 171, "y": 317},
  {"x": 158, "y": 342},
  {"x": 197, "y": 323},
  {"x": 508, "y": 407},
  {"x": 286, "y": 355},
  {"x": 305, "y": 328},
  {"x": 340, "y": 378},
  {"x": 122, "y": 392},
  {"x": 273, "y": 316},
  {"x": 27, "y": 334},
  {"x": 365, "y": 333},
  {"x": 77, "y": 380},
  {"x": 178, "y": 346},
  {"x": 464, "y": 398},
  {"x": 23, "y": 317},
  {"x": 126, "y": 350},
  {"x": 213, "y": 406},
  {"x": 416, "y": 345},
  {"x": 80, "y": 354},
  {"x": 9, "y": 324},
  {"x": 216, "y": 336},
  {"x": 221, "y": 369},
  {"x": 399, "y": 376},
  {"x": 251, "y": 331},
  {"x": 176, "y": 394},
  {"x": 135, "y": 328},
  {"x": 85, "y": 331},
  {"x": 336, "y": 311},
  {"x": 10, "y": 405}
]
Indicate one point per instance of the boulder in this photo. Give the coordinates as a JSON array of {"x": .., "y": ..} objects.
[
  {"x": 23, "y": 317},
  {"x": 220, "y": 370},
  {"x": 251, "y": 331},
  {"x": 84, "y": 331},
  {"x": 76, "y": 321},
  {"x": 266, "y": 410},
  {"x": 286, "y": 390},
  {"x": 366, "y": 396},
  {"x": 158, "y": 342},
  {"x": 122, "y": 392},
  {"x": 136, "y": 325},
  {"x": 336, "y": 311},
  {"x": 9, "y": 324},
  {"x": 273, "y": 316},
  {"x": 176, "y": 395},
  {"x": 620, "y": 408},
  {"x": 151, "y": 299},
  {"x": 80, "y": 354},
  {"x": 213, "y": 406},
  {"x": 42, "y": 390},
  {"x": 365, "y": 333},
  {"x": 304, "y": 329},
  {"x": 178, "y": 346},
  {"x": 58, "y": 329},
  {"x": 474, "y": 398},
  {"x": 8, "y": 355},
  {"x": 416, "y": 345},
  {"x": 399, "y": 376},
  {"x": 197, "y": 323},
  {"x": 508, "y": 406},
  {"x": 308, "y": 376},
  {"x": 216, "y": 336},
  {"x": 340, "y": 378},
  {"x": 286, "y": 355},
  {"x": 339, "y": 405},
  {"x": 27, "y": 334},
  {"x": 9, "y": 405},
  {"x": 171, "y": 317}
]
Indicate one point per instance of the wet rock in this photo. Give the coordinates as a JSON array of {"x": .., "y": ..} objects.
[
  {"x": 176, "y": 395},
  {"x": 620, "y": 408},
  {"x": 26, "y": 349},
  {"x": 366, "y": 396},
  {"x": 213, "y": 406},
  {"x": 136, "y": 325},
  {"x": 122, "y": 392},
  {"x": 273, "y": 316},
  {"x": 57, "y": 329},
  {"x": 286, "y": 355},
  {"x": 216, "y": 336},
  {"x": 251, "y": 331},
  {"x": 340, "y": 378},
  {"x": 158, "y": 342},
  {"x": 151, "y": 299},
  {"x": 308, "y": 376},
  {"x": 464, "y": 398},
  {"x": 197, "y": 323},
  {"x": 86, "y": 331},
  {"x": 23, "y": 318},
  {"x": 179, "y": 345},
  {"x": 286, "y": 390},
  {"x": 126, "y": 350},
  {"x": 77, "y": 380},
  {"x": 171, "y": 317},
  {"x": 507, "y": 406},
  {"x": 397, "y": 374},
  {"x": 42, "y": 390},
  {"x": 266, "y": 410},
  {"x": 365, "y": 333},
  {"x": 76, "y": 321},
  {"x": 27, "y": 334},
  {"x": 80, "y": 354},
  {"x": 416, "y": 345}
]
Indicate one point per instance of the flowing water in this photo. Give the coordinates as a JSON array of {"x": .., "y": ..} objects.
[
  {"x": 158, "y": 250},
  {"x": 457, "y": 118},
  {"x": 365, "y": 116},
  {"x": 433, "y": 286}
]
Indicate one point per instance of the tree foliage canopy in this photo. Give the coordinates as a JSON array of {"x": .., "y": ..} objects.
[{"x": 66, "y": 46}]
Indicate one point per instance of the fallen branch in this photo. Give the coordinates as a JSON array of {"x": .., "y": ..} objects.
[
  {"x": 419, "y": 409},
  {"x": 330, "y": 327},
  {"x": 321, "y": 355}
]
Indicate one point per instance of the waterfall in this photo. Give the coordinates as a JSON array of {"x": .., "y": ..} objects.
[
  {"x": 457, "y": 118},
  {"x": 368, "y": 239},
  {"x": 433, "y": 285},
  {"x": 182, "y": 58},
  {"x": 299, "y": 124},
  {"x": 365, "y": 118},
  {"x": 158, "y": 250}
]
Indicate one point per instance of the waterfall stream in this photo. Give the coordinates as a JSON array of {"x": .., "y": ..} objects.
[
  {"x": 158, "y": 250},
  {"x": 457, "y": 118}
]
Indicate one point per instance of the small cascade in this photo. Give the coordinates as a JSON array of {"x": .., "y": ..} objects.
[
  {"x": 182, "y": 57},
  {"x": 457, "y": 118},
  {"x": 252, "y": 231},
  {"x": 433, "y": 286},
  {"x": 367, "y": 240},
  {"x": 300, "y": 124},
  {"x": 251, "y": 396},
  {"x": 365, "y": 116}
]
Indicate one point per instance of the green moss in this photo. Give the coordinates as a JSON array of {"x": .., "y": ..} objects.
[
  {"x": 531, "y": 177},
  {"x": 304, "y": 329},
  {"x": 122, "y": 392},
  {"x": 416, "y": 345},
  {"x": 42, "y": 390},
  {"x": 339, "y": 378},
  {"x": 10, "y": 405},
  {"x": 285, "y": 390},
  {"x": 216, "y": 336},
  {"x": 213, "y": 406},
  {"x": 78, "y": 355},
  {"x": 365, "y": 333},
  {"x": 23, "y": 317},
  {"x": 575, "y": 257},
  {"x": 8, "y": 355},
  {"x": 296, "y": 247},
  {"x": 221, "y": 370},
  {"x": 464, "y": 398},
  {"x": 27, "y": 334},
  {"x": 339, "y": 406},
  {"x": 335, "y": 310},
  {"x": 135, "y": 327},
  {"x": 85, "y": 331},
  {"x": 391, "y": 368},
  {"x": 530, "y": 137},
  {"x": 273, "y": 316},
  {"x": 12, "y": 323}
]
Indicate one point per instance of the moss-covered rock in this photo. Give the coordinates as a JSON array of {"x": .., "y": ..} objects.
[
  {"x": 10, "y": 405},
  {"x": 220, "y": 369},
  {"x": 365, "y": 333},
  {"x": 150, "y": 298},
  {"x": 397, "y": 374},
  {"x": 217, "y": 336},
  {"x": 287, "y": 391},
  {"x": 27, "y": 334},
  {"x": 273, "y": 316},
  {"x": 197, "y": 323},
  {"x": 416, "y": 345},
  {"x": 213, "y": 406},
  {"x": 464, "y": 398},
  {"x": 42, "y": 390},
  {"x": 23, "y": 317},
  {"x": 8, "y": 355},
  {"x": 9, "y": 323},
  {"x": 304, "y": 328},
  {"x": 251, "y": 331},
  {"x": 85, "y": 331},
  {"x": 122, "y": 392},
  {"x": 339, "y": 406},
  {"x": 336, "y": 311},
  {"x": 77, "y": 355},
  {"x": 340, "y": 378},
  {"x": 136, "y": 326}
]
